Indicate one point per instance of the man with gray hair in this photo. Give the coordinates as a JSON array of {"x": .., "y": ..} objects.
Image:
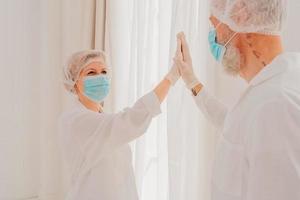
[{"x": 258, "y": 156}]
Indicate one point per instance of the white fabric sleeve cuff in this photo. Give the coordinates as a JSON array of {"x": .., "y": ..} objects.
[{"x": 152, "y": 103}]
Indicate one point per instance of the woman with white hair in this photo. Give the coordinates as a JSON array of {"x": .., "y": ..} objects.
[{"x": 95, "y": 144}]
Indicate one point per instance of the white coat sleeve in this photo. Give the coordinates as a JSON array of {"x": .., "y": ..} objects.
[
  {"x": 273, "y": 153},
  {"x": 99, "y": 134},
  {"x": 212, "y": 109}
]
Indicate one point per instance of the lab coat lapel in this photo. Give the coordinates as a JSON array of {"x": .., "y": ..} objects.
[{"x": 279, "y": 65}]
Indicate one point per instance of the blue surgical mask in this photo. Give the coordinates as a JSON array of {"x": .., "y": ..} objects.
[
  {"x": 96, "y": 88},
  {"x": 217, "y": 49}
]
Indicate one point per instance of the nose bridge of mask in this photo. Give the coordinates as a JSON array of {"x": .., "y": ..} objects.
[{"x": 96, "y": 80}]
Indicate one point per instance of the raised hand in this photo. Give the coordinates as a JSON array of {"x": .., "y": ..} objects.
[
  {"x": 174, "y": 73},
  {"x": 183, "y": 61}
]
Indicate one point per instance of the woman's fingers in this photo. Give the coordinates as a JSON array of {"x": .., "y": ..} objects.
[
  {"x": 178, "y": 50},
  {"x": 179, "y": 63},
  {"x": 185, "y": 47}
]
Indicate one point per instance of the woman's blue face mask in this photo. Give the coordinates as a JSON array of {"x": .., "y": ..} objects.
[
  {"x": 96, "y": 88},
  {"x": 217, "y": 50}
]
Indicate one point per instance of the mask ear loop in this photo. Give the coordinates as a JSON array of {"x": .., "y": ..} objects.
[{"x": 230, "y": 39}]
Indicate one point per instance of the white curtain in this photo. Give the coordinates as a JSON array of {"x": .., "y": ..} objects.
[
  {"x": 36, "y": 38},
  {"x": 138, "y": 42},
  {"x": 191, "y": 139},
  {"x": 173, "y": 159},
  {"x": 30, "y": 101},
  {"x": 17, "y": 128}
]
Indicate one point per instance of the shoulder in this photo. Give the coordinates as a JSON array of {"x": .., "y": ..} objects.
[
  {"x": 274, "y": 124},
  {"x": 76, "y": 116},
  {"x": 66, "y": 118},
  {"x": 281, "y": 102},
  {"x": 278, "y": 92},
  {"x": 70, "y": 113}
]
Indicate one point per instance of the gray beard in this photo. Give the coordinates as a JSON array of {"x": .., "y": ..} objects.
[{"x": 232, "y": 61}]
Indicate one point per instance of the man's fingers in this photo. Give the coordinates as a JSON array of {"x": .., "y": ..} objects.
[
  {"x": 179, "y": 35},
  {"x": 185, "y": 48}
]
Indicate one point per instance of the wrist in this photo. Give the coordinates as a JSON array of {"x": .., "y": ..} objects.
[
  {"x": 167, "y": 81},
  {"x": 193, "y": 81},
  {"x": 162, "y": 89},
  {"x": 171, "y": 79},
  {"x": 196, "y": 89}
]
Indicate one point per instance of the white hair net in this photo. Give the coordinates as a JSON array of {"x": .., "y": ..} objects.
[
  {"x": 251, "y": 16},
  {"x": 79, "y": 61}
]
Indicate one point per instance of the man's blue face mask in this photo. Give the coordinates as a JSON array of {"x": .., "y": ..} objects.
[
  {"x": 217, "y": 50},
  {"x": 96, "y": 88}
]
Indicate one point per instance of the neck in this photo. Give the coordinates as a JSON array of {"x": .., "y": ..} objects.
[
  {"x": 258, "y": 51},
  {"x": 96, "y": 107}
]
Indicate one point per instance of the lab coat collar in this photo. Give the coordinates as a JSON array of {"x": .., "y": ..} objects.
[
  {"x": 78, "y": 104},
  {"x": 279, "y": 65}
]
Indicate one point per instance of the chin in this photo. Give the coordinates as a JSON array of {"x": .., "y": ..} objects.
[
  {"x": 231, "y": 71},
  {"x": 232, "y": 61}
]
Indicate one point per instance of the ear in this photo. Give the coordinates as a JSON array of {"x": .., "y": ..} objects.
[{"x": 77, "y": 88}]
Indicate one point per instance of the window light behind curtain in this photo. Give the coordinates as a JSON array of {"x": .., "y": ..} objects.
[{"x": 172, "y": 160}]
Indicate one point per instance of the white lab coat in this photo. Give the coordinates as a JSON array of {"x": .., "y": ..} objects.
[
  {"x": 95, "y": 146},
  {"x": 258, "y": 155}
]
